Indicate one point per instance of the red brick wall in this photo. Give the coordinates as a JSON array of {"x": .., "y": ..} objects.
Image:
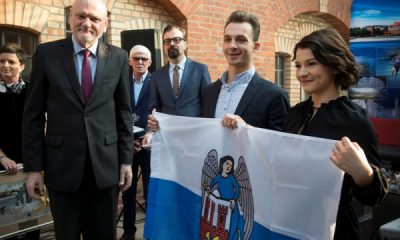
[
  {"x": 206, "y": 23},
  {"x": 204, "y": 20}
]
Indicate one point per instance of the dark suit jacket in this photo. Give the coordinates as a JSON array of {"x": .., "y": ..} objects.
[
  {"x": 194, "y": 80},
  {"x": 262, "y": 105},
  {"x": 141, "y": 108},
  {"x": 103, "y": 126},
  {"x": 12, "y": 106}
]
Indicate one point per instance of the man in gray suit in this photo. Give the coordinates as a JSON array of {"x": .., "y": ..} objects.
[
  {"x": 177, "y": 88},
  {"x": 241, "y": 95},
  {"x": 83, "y": 86}
]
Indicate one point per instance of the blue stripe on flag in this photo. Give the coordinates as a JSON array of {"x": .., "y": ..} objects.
[{"x": 173, "y": 212}]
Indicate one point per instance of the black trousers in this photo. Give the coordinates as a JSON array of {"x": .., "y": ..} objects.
[
  {"x": 88, "y": 211},
  {"x": 141, "y": 159}
]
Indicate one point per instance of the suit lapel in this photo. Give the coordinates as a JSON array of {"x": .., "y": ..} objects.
[
  {"x": 186, "y": 74},
  {"x": 165, "y": 82},
  {"x": 249, "y": 93},
  {"x": 102, "y": 56},
  {"x": 70, "y": 69},
  {"x": 132, "y": 90},
  {"x": 143, "y": 91},
  {"x": 213, "y": 95}
]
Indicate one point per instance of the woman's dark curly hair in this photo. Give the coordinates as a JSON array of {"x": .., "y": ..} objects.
[{"x": 330, "y": 49}]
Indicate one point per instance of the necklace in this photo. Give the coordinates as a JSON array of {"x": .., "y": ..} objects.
[{"x": 309, "y": 117}]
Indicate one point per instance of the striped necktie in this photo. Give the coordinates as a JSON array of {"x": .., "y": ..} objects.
[
  {"x": 86, "y": 75},
  {"x": 175, "y": 81}
]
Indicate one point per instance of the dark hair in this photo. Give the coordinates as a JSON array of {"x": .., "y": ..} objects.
[
  {"x": 169, "y": 27},
  {"x": 330, "y": 49},
  {"x": 14, "y": 48},
  {"x": 223, "y": 160},
  {"x": 241, "y": 17}
]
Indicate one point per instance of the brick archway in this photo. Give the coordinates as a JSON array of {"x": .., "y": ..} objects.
[
  {"x": 181, "y": 10},
  {"x": 26, "y": 15}
]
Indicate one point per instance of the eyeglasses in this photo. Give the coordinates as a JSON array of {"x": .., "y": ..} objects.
[
  {"x": 139, "y": 58},
  {"x": 175, "y": 40}
]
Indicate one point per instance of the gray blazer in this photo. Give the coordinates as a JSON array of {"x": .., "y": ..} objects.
[
  {"x": 194, "y": 80},
  {"x": 262, "y": 105},
  {"x": 102, "y": 129}
]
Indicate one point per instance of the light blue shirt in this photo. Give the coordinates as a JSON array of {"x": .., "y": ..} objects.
[
  {"x": 78, "y": 58},
  {"x": 137, "y": 86},
  {"x": 230, "y": 94},
  {"x": 181, "y": 66}
]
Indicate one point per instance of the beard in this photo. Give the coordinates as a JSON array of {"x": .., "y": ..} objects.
[{"x": 173, "y": 53}]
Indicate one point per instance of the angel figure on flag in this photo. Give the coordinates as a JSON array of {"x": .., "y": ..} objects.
[{"x": 227, "y": 199}]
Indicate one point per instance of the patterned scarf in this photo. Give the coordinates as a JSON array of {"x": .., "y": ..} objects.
[{"x": 14, "y": 87}]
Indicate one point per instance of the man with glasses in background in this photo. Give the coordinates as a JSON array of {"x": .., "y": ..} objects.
[
  {"x": 140, "y": 61},
  {"x": 177, "y": 87}
]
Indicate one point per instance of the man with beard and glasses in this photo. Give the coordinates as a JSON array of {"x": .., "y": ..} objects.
[{"x": 177, "y": 88}]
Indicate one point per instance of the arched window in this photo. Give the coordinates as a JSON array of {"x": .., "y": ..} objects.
[{"x": 27, "y": 40}]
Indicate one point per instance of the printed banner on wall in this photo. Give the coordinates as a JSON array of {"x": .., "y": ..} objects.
[
  {"x": 210, "y": 182},
  {"x": 375, "y": 42}
]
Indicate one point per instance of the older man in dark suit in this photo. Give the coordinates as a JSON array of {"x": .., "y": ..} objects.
[
  {"x": 241, "y": 95},
  {"x": 140, "y": 61},
  {"x": 177, "y": 88},
  {"x": 83, "y": 86}
]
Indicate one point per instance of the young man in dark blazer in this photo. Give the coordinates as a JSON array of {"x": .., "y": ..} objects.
[
  {"x": 183, "y": 97},
  {"x": 140, "y": 61},
  {"x": 83, "y": 86},
  {"x": 241, "y": 95}
]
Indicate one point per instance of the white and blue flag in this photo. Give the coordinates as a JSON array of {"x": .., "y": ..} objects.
[{"x": 213, "y": 183}]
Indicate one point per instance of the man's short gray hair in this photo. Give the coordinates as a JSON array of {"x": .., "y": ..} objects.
[{"x": 141, "y": 49}]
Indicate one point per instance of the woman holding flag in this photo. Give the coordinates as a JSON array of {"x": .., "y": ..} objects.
[{"x": 324, "y": 67}]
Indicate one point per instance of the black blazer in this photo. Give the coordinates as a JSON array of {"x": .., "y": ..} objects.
[
  {"x": 101, "y": 129},
  {"x": 262, "y": 105},
  {"x": 12, "y": 106},
  {"x": 194, "y": 80},
  {"x": 141, "y": 108}
]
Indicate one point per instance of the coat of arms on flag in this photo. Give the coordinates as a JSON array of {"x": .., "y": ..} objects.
[{"x": 227, "y": 201}]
